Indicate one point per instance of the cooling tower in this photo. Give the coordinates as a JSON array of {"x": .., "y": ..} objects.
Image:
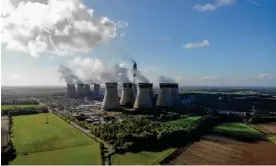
[
  {"x": 71, "y": 90},
  {"x": 127, "y": 98},
  {"x": 152, "y": 96},
  {"x": 87, "y": 90},
  {"x": 96, "y": 91},
  {"x": 164, "y": 97},
  {"x": 143, "y": 99},
  {"x": 80, "y": 90},
  {"x": 176, "y": 101},
  {"x": 111, "y": 99}
]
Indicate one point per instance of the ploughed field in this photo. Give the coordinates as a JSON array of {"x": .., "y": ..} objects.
[
  {"x": 56, "y": 143},
  {"x": 4, "y": 130},
  {"x": 221, "y": 150},
  {"x": 269, "y": 128}
]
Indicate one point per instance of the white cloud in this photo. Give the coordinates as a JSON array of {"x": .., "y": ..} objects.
[
  {"x": 204, "y": 43},
  {"x": 214, "y": 6},
  {"x": 60, "y": 27},
  {"x": 265, "y": 76},
  {"x": 14, "y": 76}
]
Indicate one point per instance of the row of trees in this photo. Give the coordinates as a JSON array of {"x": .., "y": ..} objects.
[
  {"x": 24, "y": 111},
  {"x": 17, "y": 101},
  {"x": 8, "y": 152}
]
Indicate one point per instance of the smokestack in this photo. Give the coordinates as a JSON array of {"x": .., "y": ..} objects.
[
  {"x": 143, "y": 99},
  {"x": 71, "y": 90},
  {"x": 164, "y": 97},
  {"x": 96, "y": 91},
  {"x": 80, "y": 90},
  {"x": 127, "y": 98},
  {"x": 87, "y": 90},
  {"x": 176, "y": 101},
  {"x": 111, "y": 99},
  {"x": 152, "y": 96}
]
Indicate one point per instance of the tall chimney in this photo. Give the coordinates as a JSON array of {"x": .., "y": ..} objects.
[
  {"x": 111, "y": 99},
  {"x": 164, "y": 97},
  {"x": 71, "y": 90},
  {"x": 96, "y": 91},
  {"x": 152, "y": 96},
  {"x": 80, "y": 90},
  {"x": 143, "y": 99},
  {"x": 127, "y": 98},
  {"x": 176, "y": 101},
  {"x": 87, "y": 90}
]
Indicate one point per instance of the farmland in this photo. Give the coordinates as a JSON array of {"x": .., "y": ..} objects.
[
  {"x": 240, "y": 130},
  {"x": 219, "y": 150},
  {"x": 4, "y": 107},
  {"x": 141, "y": 158},
  {"x": 184, "y": 122},
  {"x": 44, "y": 142}
]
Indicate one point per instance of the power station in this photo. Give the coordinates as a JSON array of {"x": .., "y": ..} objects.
[{"x": 111, "y": 99}]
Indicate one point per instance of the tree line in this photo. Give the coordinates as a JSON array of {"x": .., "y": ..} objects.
[{"x": 24, "y": 111}]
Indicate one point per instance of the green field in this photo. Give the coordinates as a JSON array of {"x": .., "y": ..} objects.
[
  {"x": 57, "y": 139},
  {"x": 184, "y": 122},
  {"x": 4, "y": 107},
  {"x": 239, "y": 129},
  {"x": 141, "y": 158}
]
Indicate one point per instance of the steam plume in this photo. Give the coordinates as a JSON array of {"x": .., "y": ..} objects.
[
  {"x": 165, "y": 79},
  {"x": 67, "y": 74}
]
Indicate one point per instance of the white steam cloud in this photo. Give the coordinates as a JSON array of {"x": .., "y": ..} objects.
[
  {"x": 165, "y": 79},
  {"x": 58, "y": 27}
]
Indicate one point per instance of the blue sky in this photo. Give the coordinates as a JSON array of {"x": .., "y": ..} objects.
[{"x": 240, "y": 49}]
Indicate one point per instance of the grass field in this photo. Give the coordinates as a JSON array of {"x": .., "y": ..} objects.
[
  {"x": 57, "y": 139},
  {"x": 141, "y": 158},
  {"x": 4, "y": 107},
  {"x": 239, "y": 129},
  {"x": 184, "y": 122}
]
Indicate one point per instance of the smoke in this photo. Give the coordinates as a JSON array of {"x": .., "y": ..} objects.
[
  {"x": 67, "y": 74},
  {"x": 140, "y": 78},
  {"x": 121, "y": 73},
  {"x": 165, "y": 79},
  {"x": 59, "y": 27}
]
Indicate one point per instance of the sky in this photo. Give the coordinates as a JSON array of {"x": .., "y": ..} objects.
[{"x": 195, "y": 42}]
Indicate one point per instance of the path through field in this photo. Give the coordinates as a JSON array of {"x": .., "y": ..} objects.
[{"x": 219, "y": 150}]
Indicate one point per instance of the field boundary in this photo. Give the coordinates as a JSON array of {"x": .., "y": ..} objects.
[{"x": 270, "y": 137}]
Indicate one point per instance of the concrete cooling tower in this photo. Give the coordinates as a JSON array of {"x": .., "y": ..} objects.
[
  {"x": 87, "y": 90},
  {"x": 152, "y": 96},
  {"x": 96, "y": 90},
  {"x": 143, "y": 99},
  {"x": 71, "y": 90},
  {"x": 80, "y": 90},
  {"x": 127, "y": 98},
  {"x": 164, "y": 97},
  {"x": 176, "y": 101},
  {"x": 111, "y": 99}
]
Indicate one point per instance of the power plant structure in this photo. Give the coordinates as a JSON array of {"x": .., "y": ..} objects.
[
  {"x": 80, "y": 90},
  {"x": 71, "y": 90},
  {"x": 152, "y": 96},
  {"x": 143, "y": 98},
  {"x": 111, "y": 99},
  {"x": 164, "y": 99},
  {"x": 127, "y": 98},
  {"x": 96, "y": 91},
  {"x": 87, "y": 90},
  {"x": 176, "y": 101}
]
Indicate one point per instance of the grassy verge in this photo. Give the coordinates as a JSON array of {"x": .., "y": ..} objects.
[
  {"x": 45, "y": 142},
  {"x": 5, "y": 107},
  {"x": 141, "y": 158},
  {"x": 186, "y": 122}
]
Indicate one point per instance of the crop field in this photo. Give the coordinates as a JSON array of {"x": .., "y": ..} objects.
[
  {"x": 184, "y": 122},
  {"x": 57, "y": 139},
  {"x": 239, "y": 129},
  {"x": 141, "y": 158},
  {"x": 4, "y": 107},
  {"x": 214, "y": 150},
  {"x": 269, "y": 128}
]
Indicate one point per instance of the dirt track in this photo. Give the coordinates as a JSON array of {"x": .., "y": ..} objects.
[
  {"x": 219, "y": 150},
  {"x": 269, "y": 128},
  {"x": 4, "y": 130}
]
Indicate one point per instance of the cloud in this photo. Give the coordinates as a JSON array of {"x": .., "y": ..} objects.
[
  {"x": 254, "y": 3},
  {"x": 14, "y": 76},
  {"x": 164, "y": 38},
  {"x": 204, "y": 43},
  {"x": 59, "y": 27},
  {"x": 165, "y": 79},
  {"x": 214, "y": 6},
  {"x": 264, "y": 76}
]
